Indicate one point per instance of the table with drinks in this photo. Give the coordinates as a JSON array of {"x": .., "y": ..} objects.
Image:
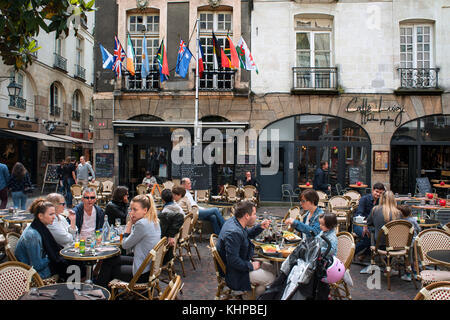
[{"x": 21, "y": 217}]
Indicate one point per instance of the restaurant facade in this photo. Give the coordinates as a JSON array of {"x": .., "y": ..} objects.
[{"x": 370, "y": 97}]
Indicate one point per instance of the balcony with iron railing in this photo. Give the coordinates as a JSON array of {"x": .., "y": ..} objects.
[
  {"x": 76, "y": 116},
  {"x": 135, "y": 83},
  {"x": 315, "y": 80},
  {"x": 91, "y": 117},
  {"x": 18, "y": 102},
  {"x": 80, "y": 72},
  {"x": 60, "y": 62},
  {"x": 55, "y": 110},
  {"x": 419, "y": 81},
  {"x": 217, "y": 80}
]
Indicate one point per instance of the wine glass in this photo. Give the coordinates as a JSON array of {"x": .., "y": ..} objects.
[{"x": 117, "y": 222}]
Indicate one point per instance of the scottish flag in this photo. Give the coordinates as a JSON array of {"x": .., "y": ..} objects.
[{"x": 107, "y": 58}]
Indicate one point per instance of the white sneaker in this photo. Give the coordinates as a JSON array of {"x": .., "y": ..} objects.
[{"x": 406, "y": 277}]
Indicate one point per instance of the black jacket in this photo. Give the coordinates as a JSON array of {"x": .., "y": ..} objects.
[
  {"x": 116, "y": 210},
  {"x": 171, "y": 219},
  {"x": 99, "y": 218},
  {"x": 15, "y": 185},
  {"x": 320, "y": 181}
]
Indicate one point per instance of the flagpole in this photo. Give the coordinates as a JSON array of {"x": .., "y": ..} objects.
[{"x": 197, "y": 82}]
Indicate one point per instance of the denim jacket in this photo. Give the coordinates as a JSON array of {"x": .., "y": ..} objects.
[
  {"x": 331, "y": 236},
  {"x": 313, "y": 224},
  {"x": 30, "y": 251}
]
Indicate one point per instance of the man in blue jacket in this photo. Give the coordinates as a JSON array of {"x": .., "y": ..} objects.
[
  {"x": 4, "y": 178},
  {"x": 320, "y": 181},
  {"x": 236, "y": 250},
  {"x": 89, "y": 216}
]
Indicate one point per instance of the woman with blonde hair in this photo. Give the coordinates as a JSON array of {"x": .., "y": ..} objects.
[
  {"x": 142, "y": 238},
  {"x": 60, "y": 228},
  {"x": 381, "y": 214}
]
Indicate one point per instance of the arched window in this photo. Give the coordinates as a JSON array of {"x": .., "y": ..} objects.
[
  {"x": 55, "y": 100},
  {"x": 76, "y": 106}
]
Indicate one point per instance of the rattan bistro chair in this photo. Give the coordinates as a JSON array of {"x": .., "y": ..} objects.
[
  {"x": 345, "y": 253},
  {"x": 427, "y": 240},
  {"x": 202, "y": 196},
  {"x": 398, "y": 234},
  {"x": 141, "y": 189},
  {"x": 184, "y": 241},
  {"x": 250, "y": 194},
  {"x": 172, "y": 289},
  {"x": 11, "y": 242},
  {"x": 169, "y": 267},
  {"x": 293, "y": 213},
  {"x": 323, "y": 197},
  {"x": 447, "y": 227},
  {"x": 232, "y": 194},
  {"x": 341, "y": 206},
  {"x": 435, "y": 291},
  {"x": 16, "y": 278},
  {"x": 354, "y": 195},
  {"x": 132, "y": 288},
  {"x": 76, "y": 190},
  {"x": 107, "y": 189}
]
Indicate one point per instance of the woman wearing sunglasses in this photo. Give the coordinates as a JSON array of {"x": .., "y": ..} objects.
[{"x": 60, "y": 228}]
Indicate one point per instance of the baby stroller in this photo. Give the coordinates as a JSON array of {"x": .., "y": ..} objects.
[{"x": 306, "y": 273}]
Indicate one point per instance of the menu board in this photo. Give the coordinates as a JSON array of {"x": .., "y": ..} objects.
[
  {"x": 51, "y": 173},
  {"x": 381, "y": 160},
  {"x": 200, "y": 175},
  {"x": 423, "y": 185},
  {"x": 354, "y": 175},
  {"x": 104, "y": 165}
]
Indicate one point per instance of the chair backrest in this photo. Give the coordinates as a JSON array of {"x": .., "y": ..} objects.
[
  {"x": 96, "y": 185},
  {"x": 447, "y": 227},
  {"x": 431, "y": 239},
  {"x": 322, "y": 195},
  {"x": 249, "y": 192},
  {"x": 156, "y": 257},
  {"x": 338, "y": 201},
  {"x": 11, "y": 242},
  {"x": 186, "y": 227},
  {"x": 345, "y": 248},
  {"x": 398, "y": 235},
  {"x": 176, "y": 182},
  {"x": 172, "y": 289},
  {"x": 194, "y": 212},
  {"x": 218, "y": 262},
  {"x": 354, "y": 195},
  {"x": 107, "y": 186},
  {"x": 231, "y": 191},
  {"x": 338, "y": 188},
  {"x": 435, "y": 291},
  {"x": 16, "y": 278},
  {"x": 76, "y": 190},
  {"x": 141, "y": 189},
  {"x": 202, "y": 195},
  {"x": 286, "y": 189},
  {"x": 168, "y": 185},
  {"x": 293, "y": 213},
  {"x": 443, "y": 216}
]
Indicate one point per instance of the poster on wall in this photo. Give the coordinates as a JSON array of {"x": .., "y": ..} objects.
[
  {"x": 163, "y": 170},
  {"x": 381, "y": 160}
]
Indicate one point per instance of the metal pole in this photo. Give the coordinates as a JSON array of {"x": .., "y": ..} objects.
[{"x": 197, "y": 82}]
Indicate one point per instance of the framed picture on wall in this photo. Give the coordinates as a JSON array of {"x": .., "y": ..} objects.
[{"x": 381, "y": 161}]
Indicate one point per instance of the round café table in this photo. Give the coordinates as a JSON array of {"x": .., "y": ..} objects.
[
  {"x": 20, "y": 218},
  {"x": 428, "y": 223},
  {"x": 90, "y": 257},
  {"x": 304, "y": 186},
  {"x": 441, "y": 257},
  {"x": 65, "y": 291}
]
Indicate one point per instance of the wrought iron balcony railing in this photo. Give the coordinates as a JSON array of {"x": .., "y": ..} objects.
[
  {"x": 91, "y": 117},
  {"x": 137, "y": 84},
  {"x": 76, "y": 115},
  {"x": 315, "y": 78},
  {"x": 80, "y": 72},
  {"x": 419, "y": 78},
  {"x": 60, "y": 62},
  {"x": 55, "y": 110},
  {"x": 217, "y": 80},
  {"x": 18, "y": 102}
]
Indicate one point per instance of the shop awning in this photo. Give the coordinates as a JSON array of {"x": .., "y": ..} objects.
[
  {"x": 36, "y": 136},
  {"x": 179, "y": 124},
  {"x": 75, "y": 140}
]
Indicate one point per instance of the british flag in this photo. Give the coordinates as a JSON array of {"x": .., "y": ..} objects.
[{"x": 119, "y": 55}]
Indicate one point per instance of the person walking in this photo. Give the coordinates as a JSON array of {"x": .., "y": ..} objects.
[
  {"x": 69, "y": 178},
  {"x": 320, "y": 181},
  {"x": 4, "y": 178},
  {"x": 83, "y": 170},
  {"x": 19, "y": 184}
]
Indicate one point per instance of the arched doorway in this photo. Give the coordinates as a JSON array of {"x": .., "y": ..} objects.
[
  {"x": 307, "y": 139},
  {"x": 420, "y": 148}
]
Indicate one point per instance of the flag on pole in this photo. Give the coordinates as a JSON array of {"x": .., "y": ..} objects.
[
  {"x": 217, "y": 49},
  {"x": 107, "y": 58},
  {"x": 161, "y": 58},
  {"x": 183, "y": 65},
  {"x": 245, "y": 57},
  {"x": 119, "y": 55},
  {"x": 200, "y": 61},
  {"x": 231, "y": 50},
  {"x": 130, "y": 56},
  {"x": 181, "y": 49},
  {"x": 145, "y": 70}
]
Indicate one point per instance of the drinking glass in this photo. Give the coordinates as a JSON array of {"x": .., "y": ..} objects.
[{"x": 117, "y": 222}]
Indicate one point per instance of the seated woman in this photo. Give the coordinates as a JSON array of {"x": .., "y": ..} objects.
[
  {"x": 149, "y": 180},
  {"x": 37, "y": 247},
  {"x": 142, "y": 238},
  {"x": 118, "y": 206},
  {"x": 179, "y": 195},
  {"x": 60, "y": 229},
  {"x": 309, "y": 200}
]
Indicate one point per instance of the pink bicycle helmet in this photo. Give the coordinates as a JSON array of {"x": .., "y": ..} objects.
[{"x": 335, "y": 271}]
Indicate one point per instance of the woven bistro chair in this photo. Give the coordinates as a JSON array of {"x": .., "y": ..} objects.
[
  {"x": 323, "y": 197},
  {"x": 168, "y": 185},
  {"x": 223, "y": 292},
  {"x": 354, "y": 196},
  {"x": 11, "y": 242},
  {"x": 202, "y": 196},
  {"x": 398, "y": 234},
  {"x": 447, "y": 227},
  {"x": 293, "y": 213},
  {"x": 435, "y": 291},
  {"x": 107, "y": 189},
  {"x": 169, "y": 267},
  {"x": 192, "y": 230},
  {"x": 141, "y": 189},
  {"x": 172, "y": 289},
  {"x": 250, "y": 194},
  {"x": 132, "y": 288},
  {"x": 341, "y": 207},
  {"x": 16, "y": 278},
  {"x": 231, "y": 194},
  {"x": 345, "y": 253},
  {"x": 184, "y": 242},
  {"x": 196, "y": 222},
  {"x": 76, "y": 190},
  {"x": 427, "y": 240}
]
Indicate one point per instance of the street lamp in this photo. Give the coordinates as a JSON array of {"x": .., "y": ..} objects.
[{"x": 13, "y": 87}]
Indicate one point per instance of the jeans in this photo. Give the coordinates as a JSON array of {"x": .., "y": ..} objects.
[
  {"x": 119, "y": 267},
  {"x": 212, "y": 215},
  {"x": 364, "y": 242},
  {"x": 4, "y": 197},
  {"x": 67, "y": 184},
  {"x": 19, "y": 199}
]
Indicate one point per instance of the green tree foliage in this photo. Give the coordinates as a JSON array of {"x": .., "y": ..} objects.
[{"x": 21, "y": 21}]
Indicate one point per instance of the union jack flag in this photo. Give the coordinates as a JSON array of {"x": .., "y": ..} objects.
[
  {"x": 119, "y": 55},
  {"x": 182, "y": 46}
]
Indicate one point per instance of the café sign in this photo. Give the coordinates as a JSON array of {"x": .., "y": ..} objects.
[{"x": 377, "y": 110}]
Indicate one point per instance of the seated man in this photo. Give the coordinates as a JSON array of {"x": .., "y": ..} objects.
[
  {"x": 89, "y": 217},
  {"x": 320, "y": 181},
  {"x": 365, "y": 206},
  {"x": 236, "y": 250},
  {"x": 211, "y": 214}
]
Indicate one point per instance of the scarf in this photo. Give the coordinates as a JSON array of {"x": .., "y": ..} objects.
[{"x": 57, "y": 263}]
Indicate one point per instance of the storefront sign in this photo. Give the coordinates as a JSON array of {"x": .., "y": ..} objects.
[
  {"x": 78, "y": 135},
  {"x": 6, "y": 123},
  {"x": 376, "y": 110}
]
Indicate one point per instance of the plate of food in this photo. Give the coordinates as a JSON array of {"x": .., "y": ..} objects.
[
  {"x": 270, "y": 249},
  {"x": 290, "y": 236}
]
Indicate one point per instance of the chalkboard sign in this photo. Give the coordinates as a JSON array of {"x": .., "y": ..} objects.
[
  {"x": 241, "y": 169},
  {"x": 354, "y": 175},
  {"x": 104, "y": 165},
  {"x": 423, "y": 185},
  {"x": 176, "y": 171},
  {"x": 51, "y": 175},
  {"x": 200, "y": 175}
]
